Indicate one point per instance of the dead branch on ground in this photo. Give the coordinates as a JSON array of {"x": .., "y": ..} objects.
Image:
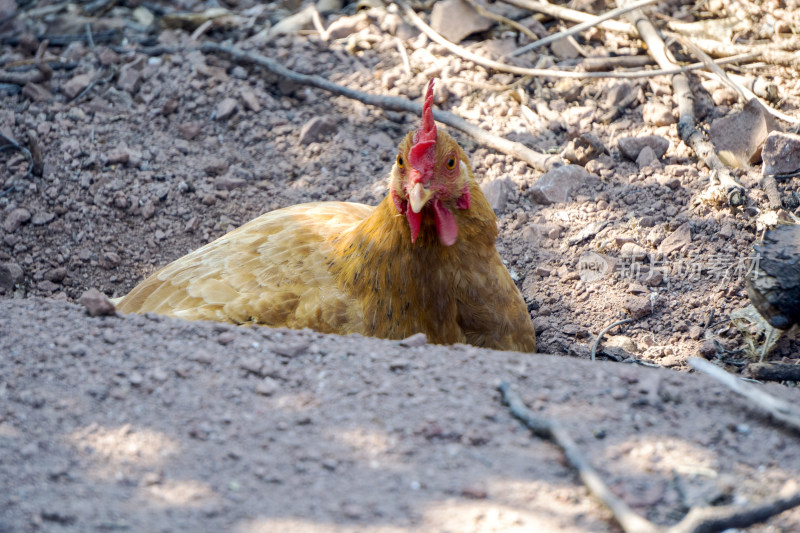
[
  {"x": 596, "y": 20},
  {"x": 727, "y": 188},
  {"x": 775, "y": 371},
  {"x": 745, "y": 93},
  {"x": 781, "y": 411},
  {"x": 698, "y": 520},
  {"x": 43, "y": 71},
  {"x": 775, "y": 53},
  {"x": 606, "y": 330},
  {"x": 505, "y": 67},
  {"x": 572, "y": 15},
  {"x": 549, "y": 429},
  {"x": 12, "y": 144},
  {"x": 518, "y": 150},
  {"x": 595, "y": 64}
]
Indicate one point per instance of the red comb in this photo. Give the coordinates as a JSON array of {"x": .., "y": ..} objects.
[{"x": 422, "y": 155}]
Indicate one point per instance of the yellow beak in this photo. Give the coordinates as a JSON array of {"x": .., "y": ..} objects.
[{"x": 418, "y": 197}]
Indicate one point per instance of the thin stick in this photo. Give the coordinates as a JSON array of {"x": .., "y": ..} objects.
[
  {"x": 726, "y": 517},
  {"x": 14, "y": 145},
  {"x": 698, "y": 520},
  {"x": 687, "y": 129},
  {"x": 403, "y": 55},
  {"x": 594, "y": 21},
  {"x": 780, "y": 410},
  {"x": 565, "y": 13},
  {"x": 518, "y": 150},
  {"x": 745, "y": 93},
  {"x": 595, "y": 64},
  {"x": 504, "y": 67},
  {"x": 775, "y": 371},
  {"x": 201, "y": 29},
  {"x": 606, "y": 330},
  {"x": 552, "y": 430}
]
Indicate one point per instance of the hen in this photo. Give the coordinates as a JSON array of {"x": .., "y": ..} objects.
[{"x": 423, "y": 260}]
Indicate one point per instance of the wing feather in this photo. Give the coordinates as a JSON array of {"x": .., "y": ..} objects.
[{"x": 277, "y": 270}]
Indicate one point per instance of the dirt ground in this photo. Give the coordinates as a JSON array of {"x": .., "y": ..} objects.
[{"x": 151, "y": 424}]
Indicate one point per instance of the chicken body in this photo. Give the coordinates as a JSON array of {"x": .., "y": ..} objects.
[{"x": 343, "y": 268}]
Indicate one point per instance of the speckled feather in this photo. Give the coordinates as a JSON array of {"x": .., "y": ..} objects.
[{"x": 345, "y": 268}]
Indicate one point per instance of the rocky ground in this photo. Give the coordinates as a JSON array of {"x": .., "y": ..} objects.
[{"x": 151, "y": 148}]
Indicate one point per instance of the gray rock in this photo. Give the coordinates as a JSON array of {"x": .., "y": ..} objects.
[
  {"x": 497, "y": 192},
  {"x": 56, "y": 275},
  {"x": 381, "y": 141},
  {"x": 456, "y": 19},
  {"x": 668, "y": 181},
  {"x": 556, "y": 186},
  {"x": 583, "y": 149},
  {"x": 16, "y": 218},
  {"x": 646, "y": 157},
  {"x": 10, "y": 275},
  {"x": 267, "y": 387},
  {"x": 228, "y": 183},
  {"x": 130, "y": 76},
  {"x": 726, "y": 231},
  {"x": 250, "y": 100},
  {"x": 658, "y": 114},
  {"x": 42, "y": 217},
  {"x": 128, "y": 80},
  {"x": 781, "y": 153},
  {"x": 617, "y": 93},
  {"x": 215, "y": 166},
  {"x": 415, "y": 340},
  {"x": 632, "y": 146},
  {"x": 741, "y": 135},
  {"x": 190, "y": 130},
  {"x": 76, "y": 85},
  {"x": 564, "y": 49},
  {"x": 346, "y": 26},
  {"x": 633, "y": 251},
  {"x": 677, "y": 239},
  {"x": 225, "y": 108},
  {"x": 638, "y": 306},
  {"x": 119, "y": 155},
  {"x": 96, "y": 303},
  {"x": 317, "y": 129}
]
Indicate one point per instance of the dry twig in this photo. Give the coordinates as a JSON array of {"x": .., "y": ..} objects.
[
  {"x": 606, "y": 330},
  {"x": 775, "y": 371},
  {"x": 596, "y": 20},
  {"x": 698, "y": 520},
  {"x": 537, "y": 160},
  {"x": 781, "y": 411},
  {"x": 565, "y": 13},
  {"x": 596, "y": 64},
  {"x": 43, "y": 73},
  {"x": 504, "y": 67},
  {"x": 37, "y": 158},
  {"x": 745, "y": 93},
  {"x": 687, "y": 129},
  {"x": 550, "y": 429}
]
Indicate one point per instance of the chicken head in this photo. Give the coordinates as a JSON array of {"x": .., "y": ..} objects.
[{"x": 430, "y": 177}]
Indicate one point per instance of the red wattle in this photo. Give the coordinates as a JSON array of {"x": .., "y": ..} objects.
[
  {"x": 446, "y": 225},
  {"x": 414, "y": 223}
]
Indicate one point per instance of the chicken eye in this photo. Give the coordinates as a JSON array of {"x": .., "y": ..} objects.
[
  {"x": 451, "y": 163},
  {"x": 400, "y": 163}
]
